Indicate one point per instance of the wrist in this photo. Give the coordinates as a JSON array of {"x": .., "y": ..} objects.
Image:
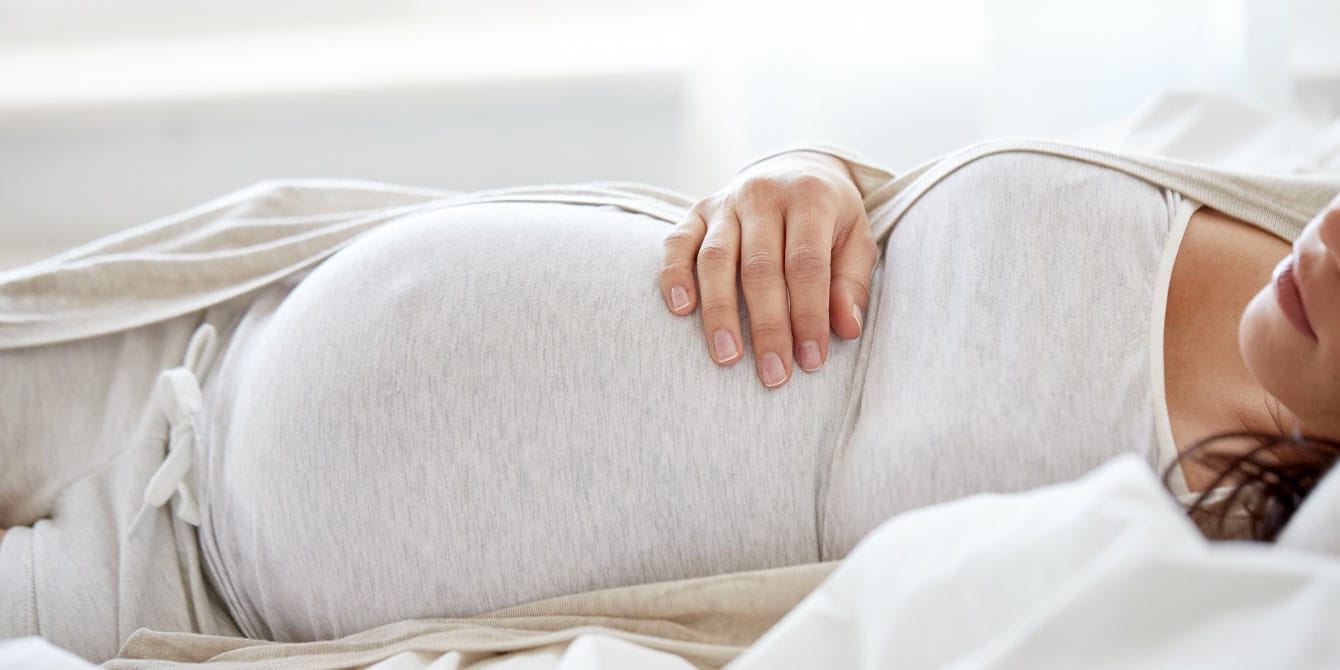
[
  {"x": 866, "y": 175},
  {"x": 828, "y": 160},
  {"x": 805, "y": 159}
]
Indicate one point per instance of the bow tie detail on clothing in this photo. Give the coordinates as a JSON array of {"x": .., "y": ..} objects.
[{"x": 179, "y": 397}]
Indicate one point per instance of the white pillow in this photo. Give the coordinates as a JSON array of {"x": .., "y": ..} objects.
[
  {"x": 1316, "y": 525},
  {"x": 1223, "y": 131}
]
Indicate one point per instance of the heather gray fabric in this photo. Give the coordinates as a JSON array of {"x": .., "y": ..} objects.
[
  {"x": 82, "y": 432},
  {"x": 1011, "y": 342},
  {"x": 323, "y": 419},
  {"x": 477, "y": 408},
  {"x": 492, "y": 399}
]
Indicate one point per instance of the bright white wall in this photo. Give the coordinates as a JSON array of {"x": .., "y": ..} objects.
[{"x": 114, "y": 113}]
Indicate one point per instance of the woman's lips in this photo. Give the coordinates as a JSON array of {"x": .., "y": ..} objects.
[{"x": 1288, "y": 296}]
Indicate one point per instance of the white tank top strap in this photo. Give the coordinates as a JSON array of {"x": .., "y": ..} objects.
[{"x": 1167, "y": 453}]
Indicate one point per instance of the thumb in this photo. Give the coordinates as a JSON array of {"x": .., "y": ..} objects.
[{"x": 849, "y": 290}]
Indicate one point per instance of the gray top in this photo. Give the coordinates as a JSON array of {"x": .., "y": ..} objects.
[{"x": 479, "y": 407}]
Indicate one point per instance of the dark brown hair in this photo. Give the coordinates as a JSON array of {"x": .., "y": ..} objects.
[{"x": 1268, "y": 481}]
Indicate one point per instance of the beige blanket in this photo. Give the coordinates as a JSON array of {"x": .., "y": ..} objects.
[{"x": 707, "y": 621}]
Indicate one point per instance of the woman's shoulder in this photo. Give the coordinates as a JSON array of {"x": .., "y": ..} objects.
[{"x": 1280, "y": 204}]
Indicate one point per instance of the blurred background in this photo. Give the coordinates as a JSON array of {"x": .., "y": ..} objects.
[{"x": 112, "y": 114}]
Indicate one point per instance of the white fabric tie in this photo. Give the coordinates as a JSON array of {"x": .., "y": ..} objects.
[{"x": 179, "y": 397}]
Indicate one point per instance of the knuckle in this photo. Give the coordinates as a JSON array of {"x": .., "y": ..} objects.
[
  {"x": 769, "y": 330},
  {"x": 757, "y": 191},
  {"x": 715, "y": 256},
  {"x": 718, "y": 311},
  {"x": 679, "y": 240},
  {"x": 804, "y": 263},
  {"x": 810, "y": 187},
  {"x": 702, "y": 209},
  {"x": 861, "y": 239},
  {"x": 868, "y": 239},
  {"x": 862, "y": 293},
  {"x": 674, "y": 270},
  {"x": 860, "y": 290},
  {"x": 872, "y": 254},
  {"x": 760, "y": 265}
]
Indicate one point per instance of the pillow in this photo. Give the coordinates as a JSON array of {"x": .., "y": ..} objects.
[
  {"x": 1223, "y": 131},
  {"x": 1316, "y": 525}
]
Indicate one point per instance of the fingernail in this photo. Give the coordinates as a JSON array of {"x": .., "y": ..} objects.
[
  {"x": 774, "y": 372},
  {"x": 679, "y": 298},
  {"x": 809, "y": 356},
  {"x": 725, "y": 346},
  {"x": 856, "y": 312}
]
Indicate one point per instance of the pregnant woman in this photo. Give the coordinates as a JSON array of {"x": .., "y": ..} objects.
[{"x": 313, "y": 408}]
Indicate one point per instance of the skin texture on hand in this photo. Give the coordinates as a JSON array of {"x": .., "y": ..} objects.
[{"x": 795, "y": 231}]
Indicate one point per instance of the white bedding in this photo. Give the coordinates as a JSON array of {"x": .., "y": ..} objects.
[{"x": 1102, "y": 572}]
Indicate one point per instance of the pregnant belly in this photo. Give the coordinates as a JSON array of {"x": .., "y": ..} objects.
[{"x": 483, "y": 406}]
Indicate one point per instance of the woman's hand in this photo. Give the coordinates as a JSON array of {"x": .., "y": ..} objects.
[{"x": 793, "y": 224}]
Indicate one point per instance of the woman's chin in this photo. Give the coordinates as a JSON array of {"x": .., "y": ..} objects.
[
  {"x": 1284, "y": 360},
  {"x": 1270, "y": 345}
]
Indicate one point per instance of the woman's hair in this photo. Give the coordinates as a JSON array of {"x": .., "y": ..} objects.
[{"x": 1267, "y": 482}]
